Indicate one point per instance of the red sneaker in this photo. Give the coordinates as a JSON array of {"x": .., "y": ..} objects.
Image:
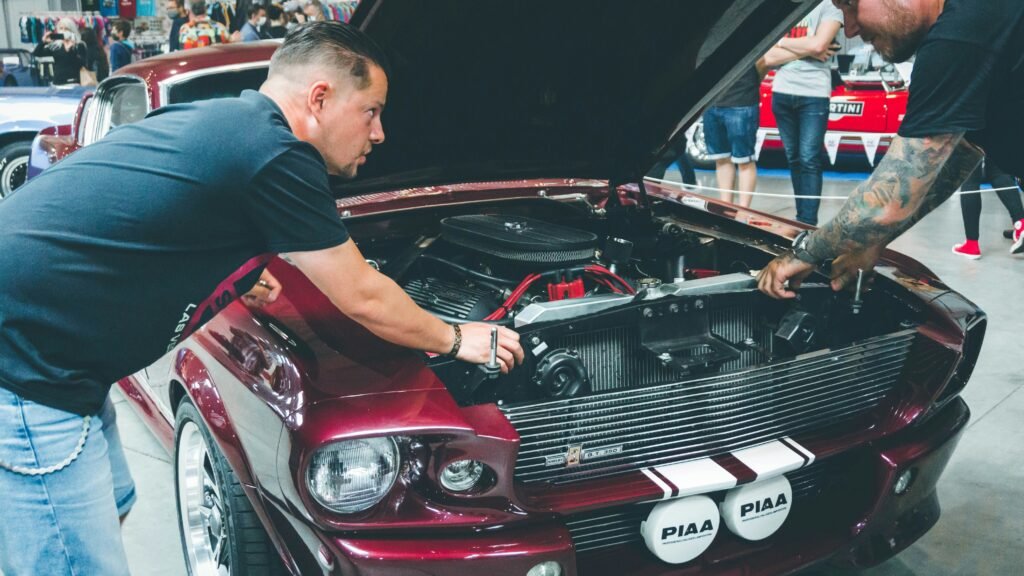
[
  {"x": 969, "y": 249},
  {"x": 1018, "y": 237}
]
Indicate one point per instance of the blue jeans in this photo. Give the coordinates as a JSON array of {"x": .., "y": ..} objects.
[
  {"x": 66, "y": 521},
  {"x": 731, "y": 132},
  {"x": 802, "y": 121}
]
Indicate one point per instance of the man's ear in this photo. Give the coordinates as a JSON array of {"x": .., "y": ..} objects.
[{"x": 317, "y": 96}]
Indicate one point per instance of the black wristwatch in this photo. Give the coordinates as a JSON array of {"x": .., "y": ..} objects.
[{"x": 800, "y": 249}]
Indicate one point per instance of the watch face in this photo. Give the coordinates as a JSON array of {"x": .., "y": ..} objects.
[{"x": 800, "y": 239}]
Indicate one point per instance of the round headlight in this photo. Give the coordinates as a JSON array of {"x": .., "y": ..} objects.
[
  {"x": 546, "y": 569},
  {"x": 353, "y": 475},
  {"x": 462, "y": 475}
]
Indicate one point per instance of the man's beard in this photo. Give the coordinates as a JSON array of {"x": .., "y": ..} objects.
[{"x": 903, "y": 34}]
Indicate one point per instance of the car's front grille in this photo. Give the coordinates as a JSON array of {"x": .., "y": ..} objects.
[
  {"x": 621, "y": 525},
  {"x": 630, "y": 429}
]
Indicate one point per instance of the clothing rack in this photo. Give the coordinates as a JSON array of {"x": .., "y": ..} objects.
[
  {"x": 35, "y": 24},
  {"x": 340, "y": 10}
]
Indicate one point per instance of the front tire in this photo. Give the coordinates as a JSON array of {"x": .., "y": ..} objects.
[
  {"x": 13, "y": 166},
  {"x": 221, "y": 535}
]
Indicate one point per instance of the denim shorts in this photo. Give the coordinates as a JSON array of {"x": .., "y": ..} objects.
[
  {"x": 731, "y": 132},
  {"x": 65, "y": 521}
]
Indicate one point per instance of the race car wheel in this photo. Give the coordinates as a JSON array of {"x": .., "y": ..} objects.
[
  {"x": 220, "y": 533},
  {"x": 13, "y": 166},
  {"x": 697, "y": 149}
]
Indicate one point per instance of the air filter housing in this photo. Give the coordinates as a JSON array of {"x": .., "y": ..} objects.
[{"x": 520, "y": 239}]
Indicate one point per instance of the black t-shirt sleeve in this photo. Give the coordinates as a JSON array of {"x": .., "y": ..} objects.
[
  {"x": 949, "y": 90},
  {"x": 291, "y": 204}
]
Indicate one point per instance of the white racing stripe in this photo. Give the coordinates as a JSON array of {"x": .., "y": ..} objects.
[
  {"x": 694, "y": 477},
  {"x": 665, "y": 488},
  {"x": 702, "y": 476},
  {"x": 771, "y": 459},
  {"x": 799, "y": 448}
]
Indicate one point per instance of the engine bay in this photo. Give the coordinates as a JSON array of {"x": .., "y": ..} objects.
[{"x": 604, "y": 307}]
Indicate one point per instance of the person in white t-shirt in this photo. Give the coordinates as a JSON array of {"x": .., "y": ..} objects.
[{"x": 800, "y": 98}]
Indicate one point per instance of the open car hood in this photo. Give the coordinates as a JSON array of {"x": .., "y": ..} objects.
[{"x": 500, "y": 89}]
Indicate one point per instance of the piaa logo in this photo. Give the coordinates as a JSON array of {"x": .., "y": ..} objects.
[
  {"x": 764, "y": 505},
  {"x": 690, "y": 529}
]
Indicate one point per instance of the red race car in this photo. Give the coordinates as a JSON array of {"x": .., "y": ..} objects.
[
  {"x": 865, "y": 112},
  {"x": 669, "y": 418}
]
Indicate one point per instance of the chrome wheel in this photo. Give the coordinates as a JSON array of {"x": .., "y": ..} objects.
[
  {"x": 697, "y": 148},
  {"x": 13, "y": 175},
  {"x": 201, "y": 511}
]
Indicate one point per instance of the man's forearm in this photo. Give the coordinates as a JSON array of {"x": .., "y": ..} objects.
[
  {"x": 916, "y": 175},
  {"x": 386, "y": 310}
]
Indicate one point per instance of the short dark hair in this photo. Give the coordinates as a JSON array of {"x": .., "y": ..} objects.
[
  {"x": 332, "y": 44},
  {"x": 198, "y": 7},
  {"x": 255, "y": 9},
  {"x": 124, "y": 27},
  {"x": 274, "y": 12}
]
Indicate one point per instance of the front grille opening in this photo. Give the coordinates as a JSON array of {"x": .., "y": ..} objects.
[{"x": 666, "y": 423}]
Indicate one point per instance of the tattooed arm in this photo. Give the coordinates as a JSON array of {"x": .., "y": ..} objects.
[{"x": 916, "y": 175}]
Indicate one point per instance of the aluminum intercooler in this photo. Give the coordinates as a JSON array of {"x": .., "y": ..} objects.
[{"x": 646, "y": 415}]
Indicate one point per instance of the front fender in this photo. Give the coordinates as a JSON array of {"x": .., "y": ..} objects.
[{"x": 50, "y": 146}]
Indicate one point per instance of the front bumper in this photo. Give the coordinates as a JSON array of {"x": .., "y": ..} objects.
[{"x": 856, "y": 521}]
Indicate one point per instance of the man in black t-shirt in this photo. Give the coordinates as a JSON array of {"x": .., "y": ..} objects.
[
  {"x": 166, "y": 230},
  {"x": 966, "y": 92}
]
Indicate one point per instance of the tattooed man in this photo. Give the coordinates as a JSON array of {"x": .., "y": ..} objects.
[{"x": 966, "y": 97}]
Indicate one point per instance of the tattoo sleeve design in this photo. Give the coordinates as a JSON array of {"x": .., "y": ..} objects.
[{"x": 916, "y": 175}]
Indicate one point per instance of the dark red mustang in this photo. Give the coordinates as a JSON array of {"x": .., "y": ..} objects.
[{"x": 669, "y": 418}]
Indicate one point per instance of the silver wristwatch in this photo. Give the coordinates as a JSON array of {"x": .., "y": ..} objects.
[{"x": 800, "y": 249}]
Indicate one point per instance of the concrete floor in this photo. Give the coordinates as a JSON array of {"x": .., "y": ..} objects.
[{"x": 979, "y": 532}]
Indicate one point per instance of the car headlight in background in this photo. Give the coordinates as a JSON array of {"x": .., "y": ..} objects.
[{"x": 353, "y": 475}]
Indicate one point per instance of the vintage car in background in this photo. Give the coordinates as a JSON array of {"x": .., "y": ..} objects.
[
  {"x": 18, "y": 68},
  {"x": 865, "y": 112},
  {"x": 24, "y": 111},
  {"x": 669, "y": 419}
]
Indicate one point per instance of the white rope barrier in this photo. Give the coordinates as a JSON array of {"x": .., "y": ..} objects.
[{"x": 698, "y": 187}]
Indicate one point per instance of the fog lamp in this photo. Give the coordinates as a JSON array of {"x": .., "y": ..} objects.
[
  {"x": 353, "y": 475},
  {"x": 462, "y": 475},
  {"x": 546, "y": 569},
  {"x": 903, "y": 482}
]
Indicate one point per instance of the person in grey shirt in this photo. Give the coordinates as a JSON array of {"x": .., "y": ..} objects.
[{"x": 800, "y": 98}]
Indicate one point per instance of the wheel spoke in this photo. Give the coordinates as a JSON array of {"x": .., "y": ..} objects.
[{"x": 201, "y": 505}]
